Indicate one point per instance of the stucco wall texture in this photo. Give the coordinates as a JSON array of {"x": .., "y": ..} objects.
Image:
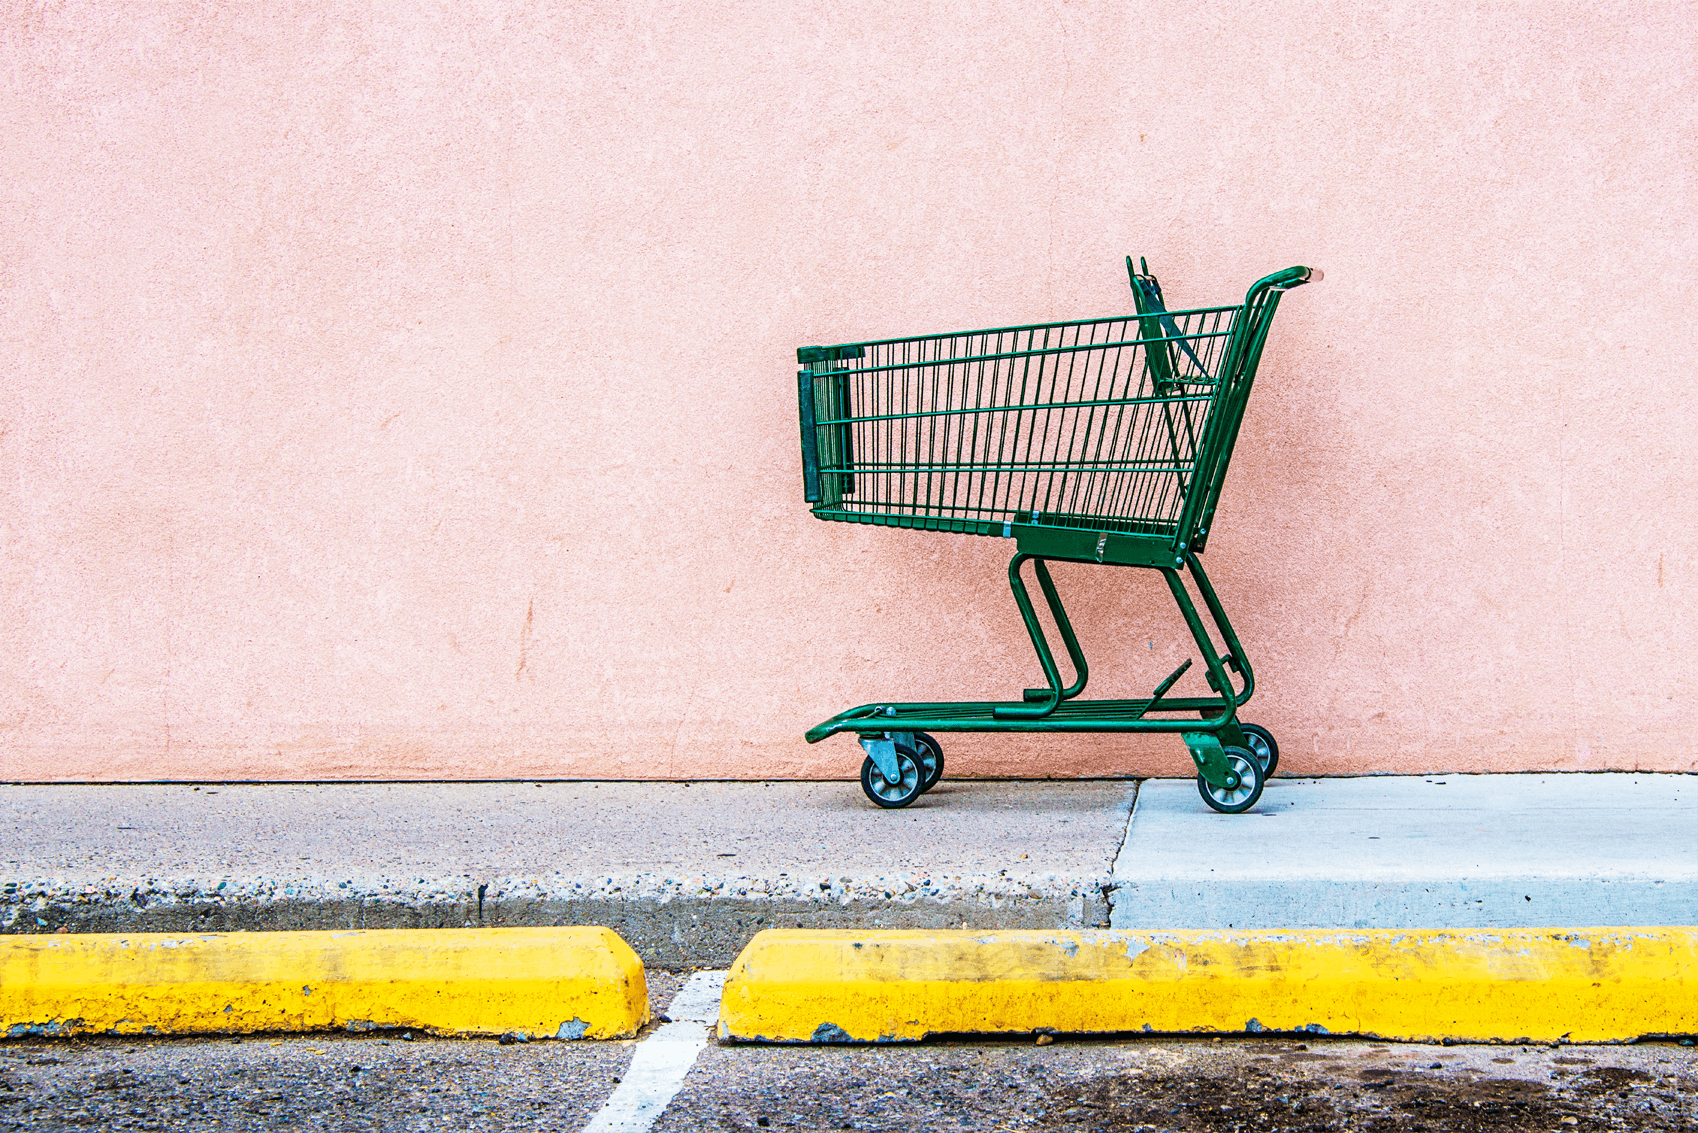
[{"x": 407, "y": 390}]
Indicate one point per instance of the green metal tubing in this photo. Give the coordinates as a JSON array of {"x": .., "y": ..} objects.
[
  {"x": 1107, "y": 716},
  {"x": 1055, "y": 694},
  {"x": 1218, "y": 715},
  {"x": 1203, "y": 477},
  {"x": 975, "y": 716},
  {"x": 1167, "y": 683},
  {"x": 1237, "y": 372},
  {"x": 1035, "y": 352},
  {"x": 1223, "y": 683},
  {"x": 1158, "y": 357},
  {"x": 1081, "y": 670},
  {"x": 1224, "y": 625},
  {"x": 1224, "y": 425},
  {"x": 1244, "y": 356},
  {"x": 1241, "y": 391}
]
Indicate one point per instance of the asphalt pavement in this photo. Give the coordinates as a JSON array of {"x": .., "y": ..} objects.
[{"x": 1117, "y": 1085}]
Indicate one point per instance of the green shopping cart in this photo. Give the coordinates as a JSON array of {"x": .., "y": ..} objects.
[{"x": 1102, "y": 441}]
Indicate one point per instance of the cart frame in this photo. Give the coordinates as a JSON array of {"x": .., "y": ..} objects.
[{"x": 1209, "y": 726}]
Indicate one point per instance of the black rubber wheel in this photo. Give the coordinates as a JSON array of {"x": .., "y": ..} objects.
[
  {"x": 1263, "y": 746},
  {"x": 931, "y": 760},
  {"x": 894, "y": 795},
  {"x": 1241, "y": 798}
]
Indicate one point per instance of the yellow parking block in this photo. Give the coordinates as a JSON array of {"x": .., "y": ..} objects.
[
  {"x": 1478, "y": 985},
  {"x": 538, "y": 982}
]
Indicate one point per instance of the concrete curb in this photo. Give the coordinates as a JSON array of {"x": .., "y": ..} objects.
[
  {"x": 676, "y": 924},
  {"x": 539, "y": 983},
  {"x": 1474, "y": 985}
]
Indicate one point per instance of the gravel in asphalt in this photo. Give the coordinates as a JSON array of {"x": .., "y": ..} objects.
[
  {"x": 1141, "y": 1085},
  {"x": 1124, "y": 1085},
  {"x": 385, "y": 1081}
]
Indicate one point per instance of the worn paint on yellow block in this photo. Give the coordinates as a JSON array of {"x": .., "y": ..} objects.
[
  {"x": 541, "y": 982},
  {"x": 1590, "y": 985}
]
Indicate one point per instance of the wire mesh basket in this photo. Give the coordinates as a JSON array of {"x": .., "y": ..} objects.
[{"x": 1083, "y": 423}]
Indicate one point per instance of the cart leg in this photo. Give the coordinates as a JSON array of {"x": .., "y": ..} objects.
[
  {"x": 1237, "y": 660},
  {"x": 1046, "y": 699},
  {"x": 1076, "y": 655},
  {"x": 1218, "y": 678}
]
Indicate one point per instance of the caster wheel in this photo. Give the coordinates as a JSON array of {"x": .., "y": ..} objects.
[
  {"x": 1238, "y": 799},
  {"x": 893, "y": 794},
  {"x": 931, "y": 760},
  {"x": 1262, "y": 745}
]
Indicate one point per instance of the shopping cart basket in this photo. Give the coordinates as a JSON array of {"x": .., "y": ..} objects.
[{"x": 1102, "y": 441}]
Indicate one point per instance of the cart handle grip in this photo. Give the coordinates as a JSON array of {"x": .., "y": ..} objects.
[{"x": 1284, "y": 281}]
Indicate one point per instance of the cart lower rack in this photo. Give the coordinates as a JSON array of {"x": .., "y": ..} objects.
[{"x": 1102, "y": 441}]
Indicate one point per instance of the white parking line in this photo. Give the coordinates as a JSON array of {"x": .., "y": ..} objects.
[{"x": 660, "y": 1062}]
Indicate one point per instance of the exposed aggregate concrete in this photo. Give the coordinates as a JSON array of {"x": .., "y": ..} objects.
[{"x": 685, "y": 873}]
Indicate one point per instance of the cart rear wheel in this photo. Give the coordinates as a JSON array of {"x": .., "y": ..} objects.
[
  {"x": 892, "y": 794},
  {"x": 1238, "y": 799},
  {"x": 1262, "y": 745},
  {"x": 931, "y": 760}
]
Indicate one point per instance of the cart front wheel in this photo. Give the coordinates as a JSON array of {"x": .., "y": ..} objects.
[
  {"x": 1262, "y": 745},
  {"x": 1235, "y": 800},
  {"x": 931, "y": 760},
  {"x": 893, "y": 794}
]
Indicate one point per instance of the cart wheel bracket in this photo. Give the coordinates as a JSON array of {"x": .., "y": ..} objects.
[
  {"x": 1211, "y": 761},
  {"x": 882, "y": 751}
]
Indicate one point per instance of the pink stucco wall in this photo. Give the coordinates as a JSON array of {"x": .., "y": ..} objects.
[{"x": 408, "y": 390}]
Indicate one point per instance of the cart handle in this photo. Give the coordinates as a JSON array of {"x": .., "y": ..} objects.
[{"x": 1283, "y": 281}]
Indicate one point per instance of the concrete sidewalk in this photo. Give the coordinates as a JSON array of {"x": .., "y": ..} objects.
[
  {"x": 1439, "y": 851},
  {"x": 687, "y": 873}
]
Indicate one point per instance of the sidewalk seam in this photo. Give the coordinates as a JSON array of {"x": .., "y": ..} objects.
[{"x": 1109, "y": 890}]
